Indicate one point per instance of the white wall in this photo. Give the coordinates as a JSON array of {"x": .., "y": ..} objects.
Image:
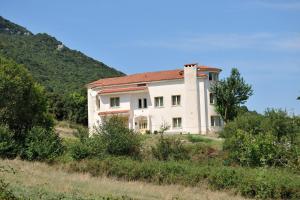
[
  {"x": 167, "y": 112},
  {"x": 195, "y": 109}
]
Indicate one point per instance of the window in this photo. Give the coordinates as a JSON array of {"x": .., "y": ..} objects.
[
  {"x": 140, "y": 103},
  {"x": 143, "y": 124},
  {"x": 159, "y": 101},
  {"x": 177, "y": 122},
  {"x": 211, "y": 98},
  {"x": 176, "y": 100},
  {"x": 97, "y": 103},
  {"x": 215, "y": 120},
  {"x": 143, "y": 103},
  {"x": 114, "y": 102},
  {"x": 213, "y": 76}
]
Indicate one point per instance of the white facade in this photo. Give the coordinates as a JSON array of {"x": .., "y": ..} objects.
[{"x": 192, "y": 113}]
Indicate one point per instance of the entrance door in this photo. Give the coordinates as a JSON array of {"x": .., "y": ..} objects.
[{"x": 143, "y": 125}]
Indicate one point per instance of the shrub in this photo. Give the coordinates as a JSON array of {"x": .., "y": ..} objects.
[
  {"x": 119, "y": 140},
  {"x": 260, "y": 183},
  {"x": 8, "y": 147},
  {"x": 255, "y": 140},
  {"x": 170, "y": 149},
  {"x": 92, "y": 147},
  {"x": 42, "y": 144}
]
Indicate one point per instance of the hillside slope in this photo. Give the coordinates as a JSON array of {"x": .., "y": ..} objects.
[{"x": 54, "y": 65}]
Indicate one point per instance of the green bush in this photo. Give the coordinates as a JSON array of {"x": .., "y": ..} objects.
[
  {"x": 119, "y": 140},
  {"x": 260, "y": 140},
  {"x": 8, "y": 146},
  {"x": 92, "y": 147},
  {"x": 268, "y": 183},
  {"x": 42, "y": 144},
  {"x": 170, "y": 149}
]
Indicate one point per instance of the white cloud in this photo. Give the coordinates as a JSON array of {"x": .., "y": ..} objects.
[{"x": 256, "y": 41}]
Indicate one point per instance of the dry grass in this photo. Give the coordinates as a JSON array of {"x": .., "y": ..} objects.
[{"x": 36, "y": 177}]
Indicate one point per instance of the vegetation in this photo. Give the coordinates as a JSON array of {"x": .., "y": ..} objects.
[
  {"x": 230, "y": 94},
  {"x": 23, "y": 106},
  {"x": 170, "y": 149},
  {"x": 62, "y": 71},
  {"x": 22, "y": 101},
  {"x": 271, "y": 139},
  {"x": 259, "y": 183},
  {"x": 42, "y": 144},
  {"x": 58, "y": 69},
  {"x": 112, "y": 138},
  {"x": 36, "y": 180}
]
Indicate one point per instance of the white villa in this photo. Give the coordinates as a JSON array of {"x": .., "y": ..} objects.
[{"x": 179, "y": 98}]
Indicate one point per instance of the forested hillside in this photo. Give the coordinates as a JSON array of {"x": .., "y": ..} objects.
[{"x": 54, "y": 65}]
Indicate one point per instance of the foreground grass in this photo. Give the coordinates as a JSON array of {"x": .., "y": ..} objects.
[{"x": 34, "y": 180}]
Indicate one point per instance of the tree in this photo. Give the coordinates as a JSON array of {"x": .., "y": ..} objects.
[
  {"x": 298, "y": 98},
  {"x": 76, "y": 107},
  {"x": 23, "y": 103},
  {"x": 230, "y": 94}
]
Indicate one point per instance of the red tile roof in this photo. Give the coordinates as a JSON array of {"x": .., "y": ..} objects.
[
  {"x": 115, "y": 90},
  {"x": 149, "y": 77},
  {"x": 114, "y": 112}
]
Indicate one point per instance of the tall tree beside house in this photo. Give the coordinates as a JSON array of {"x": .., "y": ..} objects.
[
  {"x": 23, "y": 103},
  {"x": 230, "y": 94}
]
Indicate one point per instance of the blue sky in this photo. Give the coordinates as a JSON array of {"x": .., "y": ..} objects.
[{"x": 259, "y": 37}]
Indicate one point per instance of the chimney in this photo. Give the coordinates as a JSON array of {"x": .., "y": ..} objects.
[{"x": 191, "y": 93}]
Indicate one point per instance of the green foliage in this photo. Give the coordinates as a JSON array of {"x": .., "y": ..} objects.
[
  {"x": 76, "y": 108},
  {"x": 62, "y": 71},
  {"x": 92, "y": 147},
  {"x": 257, "y": 140},
  {"x": 42, "y": 144},
  {"x": 170, "y": 149},
  {"x": 230, "y": 94},
  {"x": 52, "y": 64},
  {"x": 119, "y": 139},
  {"x": 259, "y": 183},
  {"x": 22, "y": 102},
  {"x": 8, "y": 146}
]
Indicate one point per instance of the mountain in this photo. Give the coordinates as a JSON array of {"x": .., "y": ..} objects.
[{"x": 58, "y": 68}]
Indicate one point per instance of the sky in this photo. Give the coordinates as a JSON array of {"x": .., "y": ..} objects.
[{"x": 259, "y": 37}]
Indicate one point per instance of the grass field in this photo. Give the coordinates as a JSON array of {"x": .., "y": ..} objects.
[{"x": 37, "y": 180}]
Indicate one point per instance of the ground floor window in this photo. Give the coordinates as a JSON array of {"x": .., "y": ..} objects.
[
  {"x": 215, "y": 120},
  {"x": 177, "y": 122}
]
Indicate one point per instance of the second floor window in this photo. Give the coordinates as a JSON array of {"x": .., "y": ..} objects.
[
  {"x": 211, "y": 98},
  {"x": 159, "y": 101},
  {"x": 176, "y": 100},
  {"x": 213, "y": 76},
  {"x": 114, "y": 102},
  {"x": 143, "y": 103}
]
